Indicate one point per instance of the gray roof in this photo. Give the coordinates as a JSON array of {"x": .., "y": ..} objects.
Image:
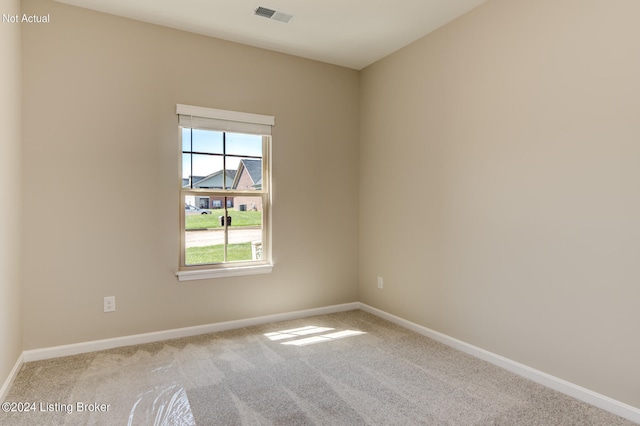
[{"x": 254, "y": 168}]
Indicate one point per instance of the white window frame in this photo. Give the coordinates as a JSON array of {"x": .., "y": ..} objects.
[{"x": 235, "y": 122}]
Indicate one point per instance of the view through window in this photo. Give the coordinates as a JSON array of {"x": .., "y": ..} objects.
[{"x": 224, "y": 196}]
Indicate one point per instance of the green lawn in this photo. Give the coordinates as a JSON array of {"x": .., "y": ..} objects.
[
  {"x": 215, "y": 254},
  {"x": 238, "y": 218}
]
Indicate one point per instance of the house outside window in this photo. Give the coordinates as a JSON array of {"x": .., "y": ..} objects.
[{"x": 225, "y": 171}]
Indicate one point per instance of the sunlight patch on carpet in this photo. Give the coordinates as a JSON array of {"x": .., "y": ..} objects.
[
  {"x": 296, "y": 332},
  {"x": 295, "y": 336}
]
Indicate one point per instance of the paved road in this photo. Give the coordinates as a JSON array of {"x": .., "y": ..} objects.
[{"x": 216, "y": 236}]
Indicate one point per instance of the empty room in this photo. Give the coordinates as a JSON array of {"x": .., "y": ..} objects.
[{"x": 302, "y": 212}]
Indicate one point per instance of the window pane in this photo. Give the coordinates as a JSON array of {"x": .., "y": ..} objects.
[
  {"x": 244, "y": 145},
  {"x": 204, "y": 237},
  {"x": 202, "y": 253},
  {"x": 202, "y": 171},
  {"x": 245, "y": 230},
  {"x": 205, "y": 230},
  {"x": 248, "y": 173},
  {"x": 207, "y": 141},
  {"x": 186, "y": 139},
  {"x": 186, "y": 170}
]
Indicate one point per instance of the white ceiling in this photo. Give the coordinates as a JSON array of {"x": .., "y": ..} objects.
[{"x": 351, "y": 33}]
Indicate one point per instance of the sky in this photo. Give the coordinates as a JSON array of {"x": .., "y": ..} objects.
[{"x": 210, "y": 142}]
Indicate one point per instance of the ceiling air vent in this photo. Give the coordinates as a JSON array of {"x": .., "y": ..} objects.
[{"x": 265, "y": 12}]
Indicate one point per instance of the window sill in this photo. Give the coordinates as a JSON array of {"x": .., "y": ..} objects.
[{"x": 204, "y": 274}]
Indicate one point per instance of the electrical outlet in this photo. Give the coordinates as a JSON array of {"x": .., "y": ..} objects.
[
  {"x": 110, "y": 304},
  {"x": 380, "y": 283}
]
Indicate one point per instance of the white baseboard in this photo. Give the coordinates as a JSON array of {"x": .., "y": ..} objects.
[
  {"x": 604, "y": 402},
  {"x": 616, "y": 407},
  {"x": 4, "y": 390},
  {"x": 137, "y": 339}
]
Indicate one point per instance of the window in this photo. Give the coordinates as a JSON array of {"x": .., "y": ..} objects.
[{"x": 225, "y": 195}]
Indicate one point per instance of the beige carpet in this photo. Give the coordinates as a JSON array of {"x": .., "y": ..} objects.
[{"x": 349, "y": 368}]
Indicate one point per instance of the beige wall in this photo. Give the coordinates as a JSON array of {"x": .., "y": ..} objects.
[
  {"x": 517, "y": 130},
  {"x": 101, "y": 176},
  {"x": 10, "y": 200},
  {"x": 513, "y": 130}
]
